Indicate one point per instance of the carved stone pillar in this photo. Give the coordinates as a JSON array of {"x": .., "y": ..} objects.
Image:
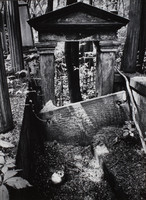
[
  {"x": 47, "y": 71},
  {"x": 105, "y": 66}
]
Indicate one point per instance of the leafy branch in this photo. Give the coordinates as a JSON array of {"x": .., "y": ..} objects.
[{"x": 8, "y": 173}]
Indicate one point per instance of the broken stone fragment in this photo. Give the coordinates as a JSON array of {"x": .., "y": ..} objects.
[{"x": 49, "y": 106}]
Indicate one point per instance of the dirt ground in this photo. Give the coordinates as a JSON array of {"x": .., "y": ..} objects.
[
  {"x": 124, "y": 166},
  {"x": 120, "y": 174},
  {"x": 17, "y": 106}
]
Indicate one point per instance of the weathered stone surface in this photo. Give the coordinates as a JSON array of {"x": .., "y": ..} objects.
[
  {"x": 6, "y": 121},
  {"x": 141, "y": 108},
  {"x": 83, "y": 119},
  {"x": 15, "y": 41},
  {"x": 47, "y": 70},
  {"x": 26, "y": 31},
  {"x": 105, "y": 67},
  {"x": 77, "y": 18},
  {"x": 77, "y": 36},
  {"x": 138, "y": 85},
  {"x": 80, "y": 21}
]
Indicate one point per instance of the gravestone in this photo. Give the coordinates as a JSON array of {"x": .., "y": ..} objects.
[{"x": 78, "y": 22}]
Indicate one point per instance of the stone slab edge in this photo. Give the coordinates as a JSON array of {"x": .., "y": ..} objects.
[{"x": 138, "y": 83}]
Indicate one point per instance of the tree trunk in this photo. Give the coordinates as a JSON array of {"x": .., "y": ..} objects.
[
  {"x": 142, "y": 37},
  {"x": 6, "y": 122},
  {"x": 131, "y": 44},
  {"x": 3, "y": 34},
  {"x": 13, "y": 24},
  {"x": 72, "y": 63}
]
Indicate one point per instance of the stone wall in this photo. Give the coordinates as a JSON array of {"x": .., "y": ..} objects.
[{"x": 138, "y": 85}]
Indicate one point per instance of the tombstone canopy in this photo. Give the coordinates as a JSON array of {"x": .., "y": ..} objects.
[{"x": 76, "y": 21}]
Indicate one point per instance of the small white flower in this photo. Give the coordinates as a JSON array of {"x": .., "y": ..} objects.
[{"x": 57, "y": 177}]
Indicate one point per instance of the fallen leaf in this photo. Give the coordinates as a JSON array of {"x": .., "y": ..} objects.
[
  {"x": 18, "y": 183},
  {"x": 4, "y": 169},
  {"x": 9, "y": 174}
]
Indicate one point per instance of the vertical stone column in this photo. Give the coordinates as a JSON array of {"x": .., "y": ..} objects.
[
  {"x": 47, "y": 70},
  {"x": 14, "y": 32},
  {"x": 105, "y": 66},
  {"x": 138, "y": 86}
]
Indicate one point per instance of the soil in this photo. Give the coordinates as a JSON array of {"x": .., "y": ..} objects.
[
  {"x": 119, "y": 174},
  {"x": 17, "y": 107},
  {"x": 125, "y": 167}
]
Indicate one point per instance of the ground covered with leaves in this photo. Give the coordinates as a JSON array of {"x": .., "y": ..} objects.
[
  {"x": 124, "y": 166},
  {"x": 10, "y": 181},
  {"x": 17, "y": 100},
  {"x": 116, "y": 174},
  {"x": 17, "y": 92}
]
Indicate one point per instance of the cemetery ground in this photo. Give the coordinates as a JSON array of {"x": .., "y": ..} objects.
[{"x": 123, "y": 167}]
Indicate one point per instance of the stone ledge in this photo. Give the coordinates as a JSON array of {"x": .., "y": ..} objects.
[
  {"x": 68, "y": 123},
  {"x": 138, "y": 83}
]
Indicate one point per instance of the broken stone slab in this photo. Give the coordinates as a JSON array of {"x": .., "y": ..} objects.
[
  {"x": 80, "y": 121},
  {"x": 139, "y": 84}
]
